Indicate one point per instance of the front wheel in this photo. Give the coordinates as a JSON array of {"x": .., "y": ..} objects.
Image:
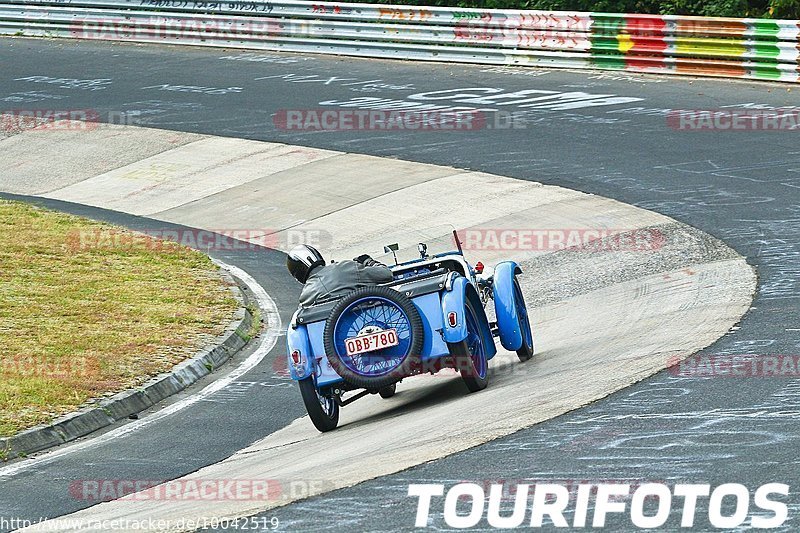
[
  {"x": 469, "y": 355},
  {"x": 323, "y": 410}
]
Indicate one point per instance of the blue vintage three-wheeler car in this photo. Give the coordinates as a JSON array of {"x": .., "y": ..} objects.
[{"x": 430, "y": 317}]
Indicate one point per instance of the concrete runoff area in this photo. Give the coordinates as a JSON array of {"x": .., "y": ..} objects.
[
  {"x": 191, "y": 172},
  {"x": 305, "y": 191},
  {"x": 38, "y": 161},
  {"x": 621, "y": 316}
]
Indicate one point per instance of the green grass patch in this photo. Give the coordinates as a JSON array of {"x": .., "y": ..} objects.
[{"x": 79, "y": 322}]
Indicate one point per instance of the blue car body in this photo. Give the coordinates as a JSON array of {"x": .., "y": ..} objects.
[{"x": 440, "y": 300}]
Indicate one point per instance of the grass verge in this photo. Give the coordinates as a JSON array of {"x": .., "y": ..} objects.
[{"x": 82, "y": 322}]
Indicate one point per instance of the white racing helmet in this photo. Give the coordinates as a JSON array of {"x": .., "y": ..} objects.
[{"x": 302, "y": 260}]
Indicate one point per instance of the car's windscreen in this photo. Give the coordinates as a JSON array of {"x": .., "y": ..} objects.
[{"x": 437, "y": 240}]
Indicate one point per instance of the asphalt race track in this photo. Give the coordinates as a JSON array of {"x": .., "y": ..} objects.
[{"x": 742, "y": 187}]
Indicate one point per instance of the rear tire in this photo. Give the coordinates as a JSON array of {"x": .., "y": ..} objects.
[
  {"x": 469, "y": 355},
  {"x": 325, "y": 418}
]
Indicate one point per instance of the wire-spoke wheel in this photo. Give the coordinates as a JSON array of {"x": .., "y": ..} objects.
[{"x": 364, "y": 319}]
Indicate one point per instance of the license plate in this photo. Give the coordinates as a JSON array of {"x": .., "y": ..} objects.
[{"x": 374, "y": 341}]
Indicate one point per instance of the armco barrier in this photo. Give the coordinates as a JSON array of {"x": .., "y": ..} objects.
[{"x": 740, "y": 48}]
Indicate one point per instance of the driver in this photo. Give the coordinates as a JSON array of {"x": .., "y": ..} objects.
[{"x": 307, "y": 266}]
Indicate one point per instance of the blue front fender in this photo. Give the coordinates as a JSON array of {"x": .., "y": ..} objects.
[
  {"x": 297, "y": 339},
  {"x": 505, "y": 305}
]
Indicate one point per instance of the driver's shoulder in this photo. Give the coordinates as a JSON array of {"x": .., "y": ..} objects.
[{"x": 345, "y": 266}]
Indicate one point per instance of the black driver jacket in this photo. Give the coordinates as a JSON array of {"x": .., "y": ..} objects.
[{"x": 337, "y": 279}]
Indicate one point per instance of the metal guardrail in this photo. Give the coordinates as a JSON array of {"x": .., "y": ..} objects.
[{"x": 741, "y": 48}]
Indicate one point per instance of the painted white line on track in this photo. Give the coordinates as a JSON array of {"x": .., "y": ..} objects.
[{"x": 272, "y": 321}]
